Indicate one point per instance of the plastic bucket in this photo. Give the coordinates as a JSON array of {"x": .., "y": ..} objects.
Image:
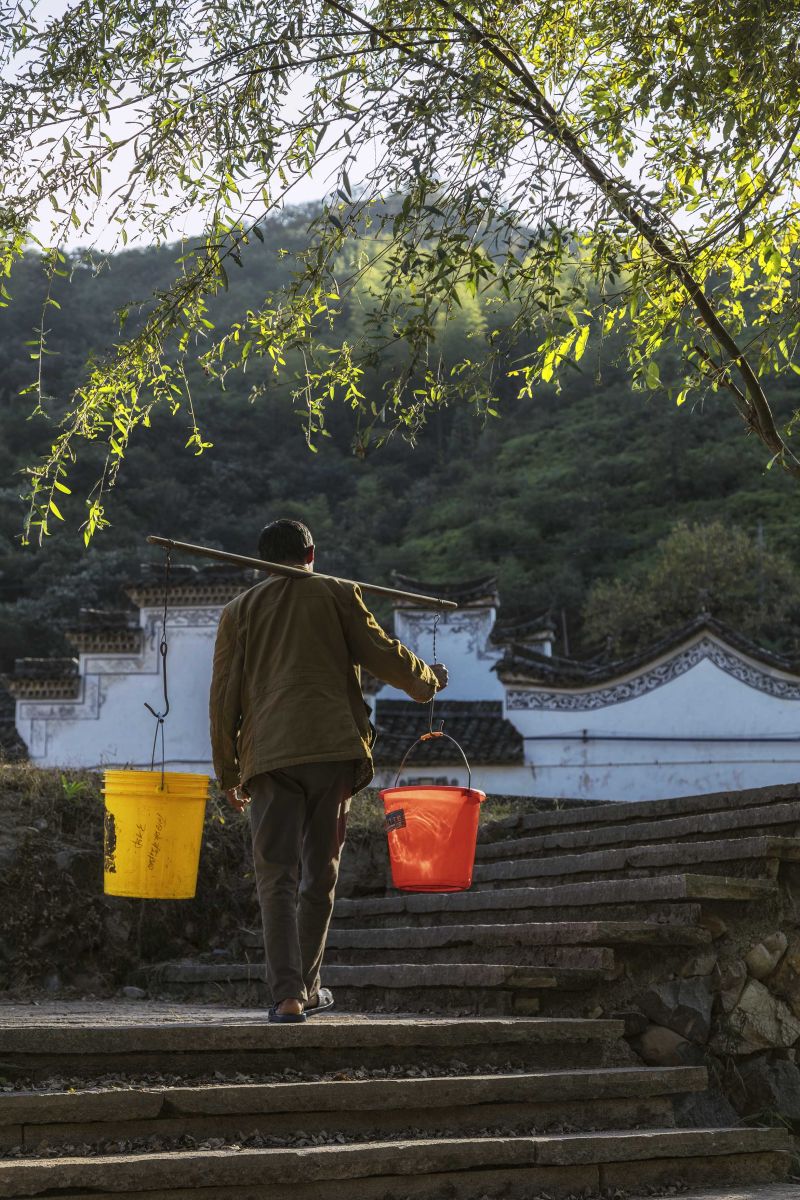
[
  {"x": 152, "y": 835},
  {"x": 432, "y": 831}
]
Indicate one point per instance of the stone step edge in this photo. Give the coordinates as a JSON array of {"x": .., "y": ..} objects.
[
  {"x": 103, "y": 1105},
  {"x": 643, "y": 831},
  {"x": 385, "y": 1033},
  {"x": 471, "y": 976},
  {"x": 655, "y": 855},
  {"x": 124, "y": 1172},
  {"x": 556, "y": 934},
  {"x": 646, "y": 889},
  {"x": 738, "y": 1191},
  {"x": 632, "y": 810}
]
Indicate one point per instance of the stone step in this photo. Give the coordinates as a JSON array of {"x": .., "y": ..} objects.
[
  {"x": 762, "y": 852},
  {"x": 370, "y": 1107},
  {"x": 747, "y": 1191},
  {"x": 633, "y": 897},
  {"x": 530, "y": 934},
  {"x": 699, "y": 826},
  {"x": 460, "y": 987},
  {"x": 199, "y": 1040},
  {"x": 591, "y": 816},
  {"x": 411, "y": 975},
  {"x": 474, "y": 946},
  {"x": 473, "y": 1167}
]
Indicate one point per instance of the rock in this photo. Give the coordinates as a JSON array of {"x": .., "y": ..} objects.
[
  {"x": 133, "y": 993},
  {"x": 729, "y": 983},
  {"x": 701, "y": 964},
  {"x": 770, "y": 1087},
  {"x": 683, "y": 1005},
  {"x": 116, "y": 928},
  {"x": 635, "y": 1022},
  {"x": 764, "y": 957},
  {"x": 762, "y": 1022},
  {"x": 662, "y": 1047},
  {"x": 704, "y": 1110},
  {"x": 785, "y": 982},
  {"x": 52, "y": 982},
  {"x": 63, "y": 859},
  {"x": 714, "y": 924},
  {"x": 86, "y": 981}
]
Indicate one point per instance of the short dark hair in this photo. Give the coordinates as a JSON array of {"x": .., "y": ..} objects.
[{"x": 285, "y": 541}]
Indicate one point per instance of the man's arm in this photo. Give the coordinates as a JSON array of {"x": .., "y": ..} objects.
[
  {"x": 225, "y": 702},
  {"x": 386, "y": 658}
]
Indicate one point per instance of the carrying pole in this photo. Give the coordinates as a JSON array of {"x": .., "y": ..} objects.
[{"x": 260, "y": 564}]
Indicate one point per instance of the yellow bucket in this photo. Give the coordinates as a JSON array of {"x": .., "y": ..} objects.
[{"x": 152, "y": 835}]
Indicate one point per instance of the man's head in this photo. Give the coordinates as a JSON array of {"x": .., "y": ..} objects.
[{"x": 287, "y": 542}]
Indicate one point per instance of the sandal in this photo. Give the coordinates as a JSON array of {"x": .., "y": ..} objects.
[
  {"x": 324, "y": 1000},
  {"x": 279, "y": 1018}
]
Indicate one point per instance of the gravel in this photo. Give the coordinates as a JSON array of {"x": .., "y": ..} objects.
[
  {"x": 153, "y": 1080},
  {"x": 301, "y": 1139}
]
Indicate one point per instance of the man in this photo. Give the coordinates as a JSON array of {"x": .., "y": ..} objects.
[{"x": 291, "y": 737}]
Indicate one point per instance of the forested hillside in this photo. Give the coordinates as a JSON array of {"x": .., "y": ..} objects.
[{"x": 559, "y": 491}]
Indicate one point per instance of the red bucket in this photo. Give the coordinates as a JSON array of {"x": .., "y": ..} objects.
[{"x": 432, "y": 831}]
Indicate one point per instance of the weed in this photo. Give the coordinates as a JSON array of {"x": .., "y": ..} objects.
[{"x": 73, "y": 788}]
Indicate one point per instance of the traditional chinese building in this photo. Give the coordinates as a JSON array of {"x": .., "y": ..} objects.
[{"x": 702, "y": 710}]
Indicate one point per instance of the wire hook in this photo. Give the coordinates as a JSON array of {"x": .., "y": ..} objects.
[{"x": 163, "y": 647}]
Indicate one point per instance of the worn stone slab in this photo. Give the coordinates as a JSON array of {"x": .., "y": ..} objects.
[
  {"x": 755, "y": 1191},
  {"x": 202, "y": 1169},
  {"x": 596, "y": 814},
  {"x": 481, "y": 949},
  {"x": 626, "y": 1145},
  {"x": 329, "y": 1031},
  {"x": 646, "y": 890},
  {"x": 522, "y": 1183},
  {"x": 331, "y": 1096},
  {"x": 523, "y": 933},
  {"x": 518, "y": 1116},
  {"x": 412, "y": 975},
  {"x": 110, "y": 1104},
  {"x": 499, "y": 1183},
  {"x": 669, "y": 855},
  {"x": 721, "y": 821},
  {"x": 10, "y": 1135},
  {"x": 532, "y": 1087},
  {"x": 711, "y": 1170}
]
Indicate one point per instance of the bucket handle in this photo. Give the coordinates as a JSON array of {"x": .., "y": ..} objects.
[{"x": 426, "y": 737}]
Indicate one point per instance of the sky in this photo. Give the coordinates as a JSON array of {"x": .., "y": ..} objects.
[{"x": 104, "y": 236}]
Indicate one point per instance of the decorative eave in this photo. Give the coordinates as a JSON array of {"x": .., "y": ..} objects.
[
  {"x": 189, "y": 587},
  {"x": 522, "y": 632},
  {"x": 44, "y": 679},
  {"x": 472, "y": 593},
  {"x": 105, "y": 641},
  {"x": 522, "y": 665},
  {"x": 101, "y": 631}
]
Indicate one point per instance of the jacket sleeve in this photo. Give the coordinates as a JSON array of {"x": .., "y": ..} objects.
[
  {"x": 225, "y": 702},
  {"x": 385, "y": 657}
]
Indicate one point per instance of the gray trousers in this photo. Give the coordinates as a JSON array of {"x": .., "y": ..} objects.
[{"x": 298, "y": 819}]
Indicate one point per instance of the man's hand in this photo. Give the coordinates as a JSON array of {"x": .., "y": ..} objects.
[
  {"x": 440, "y": 671},
  {"x": 237, "y": 798}
]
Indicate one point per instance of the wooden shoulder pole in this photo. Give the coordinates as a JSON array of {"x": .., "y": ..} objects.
[{"x": 259, "y": 564}]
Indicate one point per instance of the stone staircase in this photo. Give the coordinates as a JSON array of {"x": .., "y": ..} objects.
[
  {"x": 176, "y": 1102},
  {"x": 483, "y": 1045}
]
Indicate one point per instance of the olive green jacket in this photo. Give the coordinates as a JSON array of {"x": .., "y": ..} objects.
[{"x": 286, "y": 683}]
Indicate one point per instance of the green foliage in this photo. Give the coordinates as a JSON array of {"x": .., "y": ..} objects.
[
  {"x": 714, "y": 568},
  {"x": 563, "y": 174},
  {"x": 72, "y": 788},
  {"x": 563, "y": 490}
]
